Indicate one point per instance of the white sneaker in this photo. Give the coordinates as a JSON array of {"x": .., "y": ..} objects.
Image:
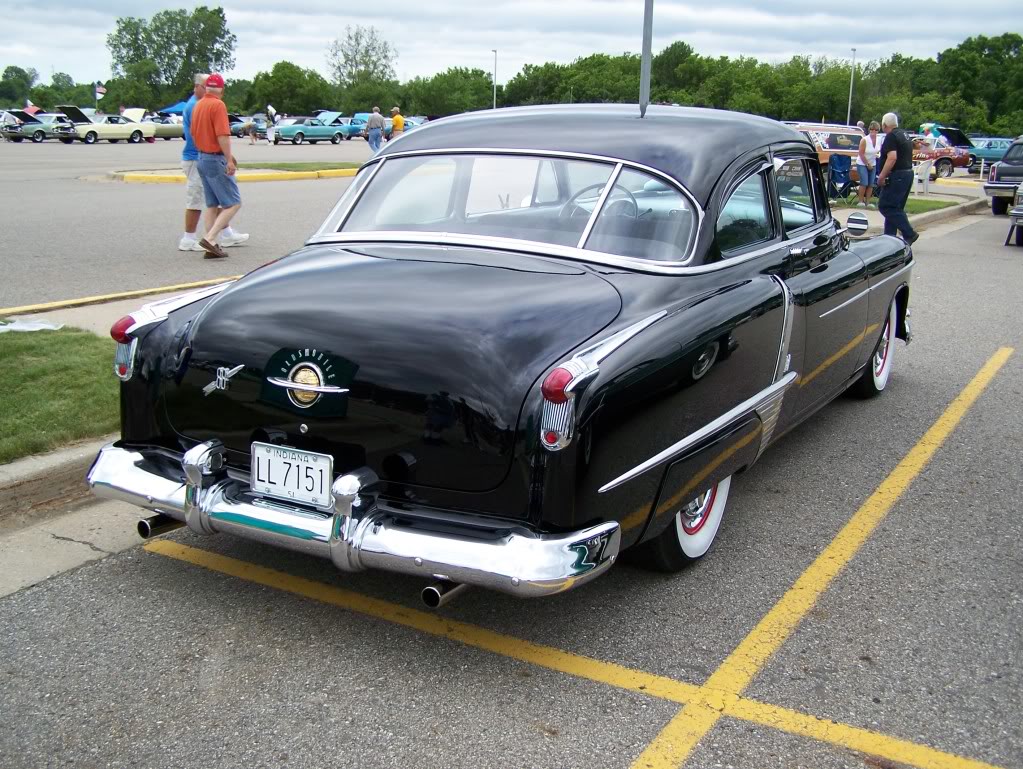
[
  {"x": 226, "y": 241},
  {"x": 189, "y": 244}
]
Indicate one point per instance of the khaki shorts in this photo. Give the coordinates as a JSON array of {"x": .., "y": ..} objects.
[{"x": 195, "y": 198}]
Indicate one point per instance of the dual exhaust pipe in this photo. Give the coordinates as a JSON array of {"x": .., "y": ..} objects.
[{"x": 434, "y": 596}]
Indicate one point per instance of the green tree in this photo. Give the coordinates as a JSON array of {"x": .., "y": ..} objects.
[
  {"x": 364, "y": 94},
  {"x": 536, "y": 84},
  {"x": 457, "y": 90},
  {"x": 290, "y": 89},
  {"x": 178, "y": 43},
  {"x": 15, "y": 84},
  {"x": 362, "y": 55}
]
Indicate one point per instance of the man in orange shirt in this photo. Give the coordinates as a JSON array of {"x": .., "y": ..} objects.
[{"x": 211, "y": 132}]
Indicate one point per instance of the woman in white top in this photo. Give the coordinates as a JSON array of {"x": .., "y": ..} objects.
[{"x": 866, "y": 164}]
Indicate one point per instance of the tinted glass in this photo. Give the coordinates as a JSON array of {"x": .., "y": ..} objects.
[
  {"x": 1014, "y": 154},
  {"x": 643, "y": 217},
  {"x": 745, "y": 218}
]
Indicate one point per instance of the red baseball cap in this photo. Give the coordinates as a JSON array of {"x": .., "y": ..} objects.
[{"x": 215, "y": 81}]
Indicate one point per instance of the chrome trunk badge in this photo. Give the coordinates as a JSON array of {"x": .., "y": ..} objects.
[{"x": 223, "y": 380}]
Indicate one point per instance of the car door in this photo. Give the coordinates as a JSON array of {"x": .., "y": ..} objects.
[{"x": 828, "y": 282}]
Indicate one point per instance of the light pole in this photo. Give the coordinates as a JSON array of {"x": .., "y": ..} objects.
[
  {"x": 852, "y": 75},
  {"x": 495, "y": 77}
]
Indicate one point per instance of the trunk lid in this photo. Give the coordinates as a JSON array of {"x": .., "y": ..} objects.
[{"x": 437, "y": 348}]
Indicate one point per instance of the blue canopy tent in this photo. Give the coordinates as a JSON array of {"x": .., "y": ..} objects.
[{"x": 174, "y": 109}]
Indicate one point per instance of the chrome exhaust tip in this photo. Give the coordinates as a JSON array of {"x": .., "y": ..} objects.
[
  {"x": 155, "y": 525},
  {"x": 439, "y": 593}
]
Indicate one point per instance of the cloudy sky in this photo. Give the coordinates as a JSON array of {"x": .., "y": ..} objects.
[{"x": 70, "y": 35}]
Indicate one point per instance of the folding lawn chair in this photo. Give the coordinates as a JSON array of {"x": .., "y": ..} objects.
[{"x": 839, "y": 177}]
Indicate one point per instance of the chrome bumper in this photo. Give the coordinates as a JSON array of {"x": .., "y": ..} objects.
[
  {"x": 1000, "y": 189},
  {"x": 362, "y": 532}
]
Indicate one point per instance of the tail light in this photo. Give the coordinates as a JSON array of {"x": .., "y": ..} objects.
[
  {"x": 557, "y": 424},
  {"x": 119, "y": 331},
  {"x": 124, "y": 356},
  {"x": 993, "y": 175}
]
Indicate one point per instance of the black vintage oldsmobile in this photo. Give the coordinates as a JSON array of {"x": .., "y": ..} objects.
[{"x": 523, "y": 341}]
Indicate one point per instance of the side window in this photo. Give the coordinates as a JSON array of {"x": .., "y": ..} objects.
[
  {"x": 795, "y": 195},
  {"x": 500, "y": 183},
  {"x": 546, "y": 184},
  {"x": 822, "y": 208},
  {"x": 745, "y": 217}
]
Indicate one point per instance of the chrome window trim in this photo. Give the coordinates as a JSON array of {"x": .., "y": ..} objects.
[
  {"x": 604, "y": 193},
  {"x": 376, "y": 166},
  {"x": 324, "y": 237},
  {"x": 765, "y": 396},
  {"x": 806, "y": 229},
  {"x": 773, "y": 241},
  {"x": 532, "y": 248}
]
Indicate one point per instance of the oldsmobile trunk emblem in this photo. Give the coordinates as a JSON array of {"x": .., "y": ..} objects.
[
  {"x": 311, "y": 377},
  {"x": 223, "y": 380},
  {"x": 307, "y": 379}
]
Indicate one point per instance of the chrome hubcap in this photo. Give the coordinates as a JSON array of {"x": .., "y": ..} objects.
[
  {"x": 695, "y": 514},
  {"x": 881, "y": 356}
]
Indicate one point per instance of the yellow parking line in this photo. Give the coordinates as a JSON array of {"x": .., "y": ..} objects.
[
  {"x": 608, "y": 673},
  {"x": 851, "y": 737},
  {"x": 435, "y": 624},
  {"x": 100, "y": 298},
  {"x": 679, "y": 738}
]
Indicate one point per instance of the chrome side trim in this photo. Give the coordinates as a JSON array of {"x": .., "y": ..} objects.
[
  {"x": 604, "y": 193},
  {"x": 880, "y": 283},
  {"x": 769, "y": 411},
  {"x": 782, "y": 365},
  {"x": 600, "y": 350},
  {"x": 287, "y": 384},
  {"x": 763, "y": 400},
  {"x": 361, "y": 531},
  {"x": 158, "y": 311}
]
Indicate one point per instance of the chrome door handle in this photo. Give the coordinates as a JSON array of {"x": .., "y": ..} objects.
[{"x": 798, "y": 251}]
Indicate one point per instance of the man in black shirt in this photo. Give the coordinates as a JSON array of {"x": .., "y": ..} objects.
[{"x": 895, "y": 179}]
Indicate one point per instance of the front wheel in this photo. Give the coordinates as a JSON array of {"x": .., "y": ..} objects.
[
  {"x": 690, "y": 534},
  {"x": 1000, "y": 206},
  {"x": 38, "y": 136},
  {"x": 136, "y": 137},
  {"x": 875, "y": 376},
  {"x": 943, "y": 168}
]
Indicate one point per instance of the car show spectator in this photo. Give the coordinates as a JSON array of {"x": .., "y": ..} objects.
[
  {"x": 211, "y": 132},
  {"x": 866, "y": 164},
  {"x": 895, "y": 179},
  {"x": 397, "y": 123},
  {"x": 375, "y": 130},
  {"x": 194, "y": 196}
]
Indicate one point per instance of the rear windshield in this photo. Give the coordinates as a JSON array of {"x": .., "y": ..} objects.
[
  {"x": 556, "y": 201},
  {"x": 1014, "y": 154}
]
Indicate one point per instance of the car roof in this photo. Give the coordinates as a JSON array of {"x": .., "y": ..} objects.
[{"x": 691, "y": 144}]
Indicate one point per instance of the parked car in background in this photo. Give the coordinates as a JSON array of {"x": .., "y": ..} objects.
[
  {"x": 111, "y": 128},
  {"x": 37, "y": 127},
  {"x": 989, "y": 149},
  {"x": 1004, "y": 178},
  {"x": 166, "y": 128},
  {"x": 327, "y": 126},
  {"x": 831, "y": 139},
  {"x": 360, "y": 119},
  {"x": 944, "y": 157},
  {"x": 523, "y": 341}
]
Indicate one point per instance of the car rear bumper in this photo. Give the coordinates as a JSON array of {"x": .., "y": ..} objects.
[
  {"x": 1000, "y": 189},
  {"x": 362, "y": 532}
]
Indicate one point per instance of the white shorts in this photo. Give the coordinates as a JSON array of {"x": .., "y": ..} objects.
[{"x": 195, "y": 198}]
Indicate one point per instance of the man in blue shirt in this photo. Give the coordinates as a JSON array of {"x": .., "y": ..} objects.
[{"x": 195, "y": 198}]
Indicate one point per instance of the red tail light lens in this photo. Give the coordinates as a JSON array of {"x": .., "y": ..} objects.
[
  {"x": 119, "y": 331},
  {"x": 993, "y": 176},
  {"x": 554, "y": 385}
]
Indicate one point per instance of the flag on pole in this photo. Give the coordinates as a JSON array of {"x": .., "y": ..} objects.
[{"x": 100, "y": 90}]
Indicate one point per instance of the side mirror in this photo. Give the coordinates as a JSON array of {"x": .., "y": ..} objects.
[{"x": 857, "y": 224}]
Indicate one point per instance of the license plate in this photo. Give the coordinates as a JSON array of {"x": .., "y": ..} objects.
[{"x": 291, "y": 474}]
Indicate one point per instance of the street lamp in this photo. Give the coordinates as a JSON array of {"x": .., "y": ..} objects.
[
  {"x": 852, "y": 75},
  {"x": 495, "y": 77}
]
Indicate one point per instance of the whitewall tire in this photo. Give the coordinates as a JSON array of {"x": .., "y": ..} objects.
[
  {"x": 691, "y": 533},
  {"x": 878, "y": 371}
]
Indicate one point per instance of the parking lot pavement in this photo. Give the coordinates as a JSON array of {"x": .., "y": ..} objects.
[{"x": 211, "y": 651}]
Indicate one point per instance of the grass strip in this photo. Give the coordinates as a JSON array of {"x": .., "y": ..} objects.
[
  {"x": 58, "y": 387},
  {"x": 299, "y": 166},
  {"x": 913, "y": 205}
]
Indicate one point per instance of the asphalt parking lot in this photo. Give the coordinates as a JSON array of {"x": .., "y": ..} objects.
[{"x": 860, "y": 608}]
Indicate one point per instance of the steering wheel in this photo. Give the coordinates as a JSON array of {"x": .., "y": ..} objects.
[{"x": 571, "y": 207}]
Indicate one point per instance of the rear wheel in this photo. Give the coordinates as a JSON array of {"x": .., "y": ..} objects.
[
  {"x": 1000, "y": 206},
  {"x": 875, "y": 376},
  {"x": 91, "y": 137},
  {"x": 299, "y": 138},
  {"x": 38, "y": 136},
  {"x": 943, "y": 168},
  {"x": 136, "y": 137},
  {"x": 690, "y": 534}
]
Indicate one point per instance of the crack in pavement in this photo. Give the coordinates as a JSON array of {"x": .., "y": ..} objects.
[{"x": 79, "y": 542}]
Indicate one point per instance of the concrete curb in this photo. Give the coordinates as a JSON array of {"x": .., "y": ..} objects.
[
  {"x": 31, "y": 486},
  {"x": 951, "y": 212},
  {"x": 133, "y": 177}
]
